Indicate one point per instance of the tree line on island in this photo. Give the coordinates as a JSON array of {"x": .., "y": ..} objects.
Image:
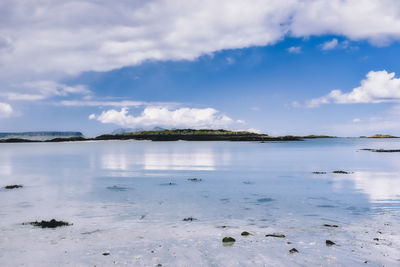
[{"x": 165, "y": 135}]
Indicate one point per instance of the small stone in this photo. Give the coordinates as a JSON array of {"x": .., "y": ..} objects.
[
  {"x": 329, "y": 243},
  {"x": 106, "y": 253},
  {"x": 293, "y": 250},
  {"x": 376, "y": 239},
  {"x": 245, "y": 233}
]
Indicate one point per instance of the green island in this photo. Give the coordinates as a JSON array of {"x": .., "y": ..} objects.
[
  {"x": 383, "y": 136},
  {"x": 175, "y": 135}
]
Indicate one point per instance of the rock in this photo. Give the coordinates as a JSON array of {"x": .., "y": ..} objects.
[
  {"x": 14, "y": 186},
  {"x": 319, "y": 172},
  {"x": 293, "y": 250},
  {"x": 194, "y": 179},
  {"x": 228, "y": 241},
  {"x": 189, "y": 219},
  {"x": 276, "y": 235},
  {"x": 49, "y": 224},
  {"x": 329, "y": 243},
  {"x": 245, "y": 233},
  {"x": 376, "y": 239},
  {"x": 106, "y": 253},
  {"x": 331, "y": 225}
]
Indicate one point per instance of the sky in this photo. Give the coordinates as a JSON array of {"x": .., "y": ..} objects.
[{"x": 278, "y": 67}]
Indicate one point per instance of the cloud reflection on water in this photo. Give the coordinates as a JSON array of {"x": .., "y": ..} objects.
[{"x": 378, "y": 186}]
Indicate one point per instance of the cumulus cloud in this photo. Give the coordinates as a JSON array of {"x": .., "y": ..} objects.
[
  {"x": 164, "y": 117},
  {"x": 57, "y": 38},
  {"x": 377, "y": 87},
  {"x": 329, "y": 45},
  {"x": 6, "y": 110},
  {"x": 294, "y": 49}
]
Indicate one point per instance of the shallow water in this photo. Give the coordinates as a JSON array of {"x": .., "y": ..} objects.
[{"x": 129, "y": 199}]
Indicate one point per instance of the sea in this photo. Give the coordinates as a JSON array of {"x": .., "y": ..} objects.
[{"x": 144, "y": 203}]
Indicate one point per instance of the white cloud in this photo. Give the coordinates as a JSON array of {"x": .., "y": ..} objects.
[
  {"x": 57, "y": 38},
  {"x": 6, "y": 110},
  {"x": 294, "y": 49},
  {"x": 103, "y": 103},
  {"x": 254, "y": 130},
  {"x": 164, "y": 117},
  {"x": 38, "y": 90},
  {"x": 378, "y": 87},
  {"x": 356, "y": 120},
  {"x": 230, "y": 60},
  {"x": 329, "y": 45}
]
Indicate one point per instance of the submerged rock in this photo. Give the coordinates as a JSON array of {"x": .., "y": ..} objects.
[
  {"x": 49, "y": 224},
  {"x": 189, "y": 219},
  {"x": 228, "y": 241},
  {"x": 116, "y": 188},
  {"x": 245, "y": 233},
  {"x": 14, "y": 186},
  {"x": 319, "y": 172},
  {"x": 276, "y": 235},
  {"x": 329, "y": 243},
  {"x": 265, "y": 199},
  {"x": 293, "y": 250}
]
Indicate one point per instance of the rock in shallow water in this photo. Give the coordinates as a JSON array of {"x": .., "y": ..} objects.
[
  {"x": 189, "y": 219},
  {"x": 49, "y": 224},
  {"x": 293, "y": 250},
  {"x": 228, "y": 241},
  {"x": 276, "y": 235},
  {"x": 329, "y": 243},
  {"x": 331, "y": 225},
  {"x": 14, "y": 186},
  {"x": 245, "y": 233}
]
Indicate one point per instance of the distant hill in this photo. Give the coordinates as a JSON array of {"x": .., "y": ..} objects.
[{"x": 39, "y": 136}]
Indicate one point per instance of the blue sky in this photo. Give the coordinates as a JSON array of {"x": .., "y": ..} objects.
[{"x": 271, "y": 68}]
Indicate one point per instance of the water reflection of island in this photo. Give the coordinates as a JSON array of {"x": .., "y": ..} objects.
[{"x": 194, "y": 159}]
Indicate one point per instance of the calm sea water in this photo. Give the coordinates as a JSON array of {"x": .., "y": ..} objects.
[{"x": 129, "y": 199}]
